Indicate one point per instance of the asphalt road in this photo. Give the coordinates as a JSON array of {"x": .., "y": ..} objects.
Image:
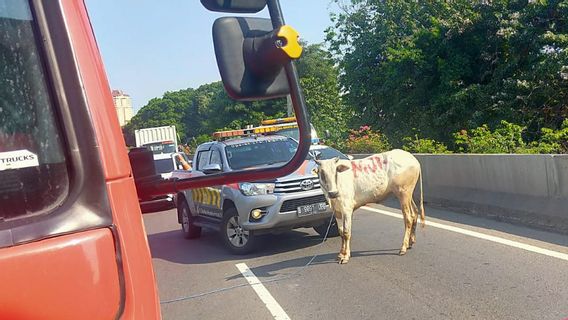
[{"x": 447, "y": 275}]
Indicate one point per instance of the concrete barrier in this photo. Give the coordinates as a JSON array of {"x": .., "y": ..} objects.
[{"x": 526, "y": 189}]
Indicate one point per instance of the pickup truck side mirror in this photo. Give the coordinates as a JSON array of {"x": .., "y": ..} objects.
[{"x": 212, "y": 168}]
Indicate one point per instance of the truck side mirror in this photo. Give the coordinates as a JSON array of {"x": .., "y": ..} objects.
[
  {"x": 251, "y": 56},
  {"x": 235, "y": 6},
  {"x": 255, "y": 59}
]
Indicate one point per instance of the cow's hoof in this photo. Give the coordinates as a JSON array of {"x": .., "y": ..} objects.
[
  {"x": 343, "y": 260},
  {"x": 412, "y": 242},
  {"x": 402, "y": 252}
]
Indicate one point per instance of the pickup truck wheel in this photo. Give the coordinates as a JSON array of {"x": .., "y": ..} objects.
[
  {"x": 333, "y": 230},
  {"x": 189, "y": 230},
  {"x": 235, "y": 238}
]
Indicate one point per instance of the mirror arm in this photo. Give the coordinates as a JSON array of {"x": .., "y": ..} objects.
[{"x": 275, "y": 12}]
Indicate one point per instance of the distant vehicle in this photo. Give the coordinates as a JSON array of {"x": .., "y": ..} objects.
[
  {"x": 242, "y": 211},
  {"x": 160, "y": 140}
]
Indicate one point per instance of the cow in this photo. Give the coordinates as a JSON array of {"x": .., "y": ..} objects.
[{"x": 351, "y": 184}]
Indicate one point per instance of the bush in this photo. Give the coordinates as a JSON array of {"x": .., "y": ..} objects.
[
  {"x": 366, "y": 140},
  {"x": 421, "y": 145},
  {"x": 551, "y": 141},
  {"x": 507, "y": 138}
]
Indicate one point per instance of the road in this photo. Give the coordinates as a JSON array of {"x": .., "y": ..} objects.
[{"x": 455, "y": 271}]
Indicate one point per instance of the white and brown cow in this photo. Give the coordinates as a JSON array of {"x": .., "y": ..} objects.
[{"x": 351, "y": 184}]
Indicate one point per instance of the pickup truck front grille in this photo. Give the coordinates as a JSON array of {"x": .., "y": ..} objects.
[
  {"x": 292, "y": 186},
  {"x": 292, "y": 205}
]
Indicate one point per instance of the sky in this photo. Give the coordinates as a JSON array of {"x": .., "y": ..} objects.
[{"x": 151, "y": 47}]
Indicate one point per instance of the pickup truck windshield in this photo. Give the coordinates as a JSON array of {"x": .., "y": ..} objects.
[{"x": 266, "y": 152}]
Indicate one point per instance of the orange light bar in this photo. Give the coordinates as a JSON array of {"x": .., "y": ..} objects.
[
  {"x": 227, "y": 134},
  {"x": 278, "y": 121}
]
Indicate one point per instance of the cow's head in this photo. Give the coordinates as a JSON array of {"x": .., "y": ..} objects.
[{"x": 328, "y": 171}]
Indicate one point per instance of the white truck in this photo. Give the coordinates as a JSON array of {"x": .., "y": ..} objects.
[
  {"x": 162, "y": 141},
  {"x": 157, "y": 139}
]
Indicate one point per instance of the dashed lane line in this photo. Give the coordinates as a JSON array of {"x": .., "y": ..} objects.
[{"x": 271, "y": 304}]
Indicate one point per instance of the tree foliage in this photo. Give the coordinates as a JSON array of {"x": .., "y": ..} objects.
[
  {"x": 319, "y": 79},
  {"x": 424, "y": 145},
  {"x": 442, "y": 66}
]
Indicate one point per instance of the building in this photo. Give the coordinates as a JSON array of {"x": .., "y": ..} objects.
[{"x": 123, "y": 106}]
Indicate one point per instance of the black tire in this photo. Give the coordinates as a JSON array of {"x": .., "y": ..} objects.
[
  {"x": 189, "y": 230},
  {"x": 333, "y": 230},
  {"x": 236, "y": 239}
]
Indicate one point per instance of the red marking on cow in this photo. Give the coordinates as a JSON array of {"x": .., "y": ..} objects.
[
  {"x": 355, "y": 165},
  {"x": 377, "y": 160},
  {"x": 373, "y": 166}
]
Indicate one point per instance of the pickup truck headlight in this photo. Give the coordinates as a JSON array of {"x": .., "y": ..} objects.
[{"x": 256, "y": 189}]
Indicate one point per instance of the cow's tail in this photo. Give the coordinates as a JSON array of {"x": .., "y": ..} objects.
[{"x": 422, "y": 216}]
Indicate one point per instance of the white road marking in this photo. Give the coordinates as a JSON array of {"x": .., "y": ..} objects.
[
  {"x": 511, "y": 243},
  {"x": 273, "y": 306}
]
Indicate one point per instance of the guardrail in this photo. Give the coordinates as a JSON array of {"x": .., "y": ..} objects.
[{"x": 527, "y": 189}]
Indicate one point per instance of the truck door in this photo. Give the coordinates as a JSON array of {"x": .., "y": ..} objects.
[
  {"x": 58, "y": 249},
  {"x": 215, "y": 201},
  {"x": 208, "y": 199}
]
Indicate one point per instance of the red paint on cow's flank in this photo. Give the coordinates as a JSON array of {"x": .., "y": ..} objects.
[
  {"x": 377, "y": 160},
  {"x": 355, "y": 165},
  {"x": 371, "y": 165}
]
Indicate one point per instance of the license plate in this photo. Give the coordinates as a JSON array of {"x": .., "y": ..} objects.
[{"x": 311, "y": 209}]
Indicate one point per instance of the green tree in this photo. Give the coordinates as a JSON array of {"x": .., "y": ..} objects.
[
  {"x": 319, "y": 78},
  {"x": 440, "y": 66}
]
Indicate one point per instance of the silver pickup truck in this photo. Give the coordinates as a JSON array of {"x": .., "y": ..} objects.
[{"x": 242, "y": 211}]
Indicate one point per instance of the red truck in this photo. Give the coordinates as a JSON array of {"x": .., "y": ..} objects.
[{"x": 72, "y": 240}]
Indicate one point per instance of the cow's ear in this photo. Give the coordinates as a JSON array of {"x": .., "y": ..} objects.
[
  {"x": 336, "y": 159},
  {"x": 318, "y": 162},
  {"x": 342, "y": 168}
]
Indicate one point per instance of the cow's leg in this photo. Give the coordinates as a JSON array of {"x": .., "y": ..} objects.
[
  {"x": 347, "y": 218},
  {"x": 414, "y": 223},
  {"x": 339, "y": 220},
  {"x": 405, "y": 205}
]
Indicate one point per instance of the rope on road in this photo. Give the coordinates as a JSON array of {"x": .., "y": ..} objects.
[{"x": 296, "y": 273}]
